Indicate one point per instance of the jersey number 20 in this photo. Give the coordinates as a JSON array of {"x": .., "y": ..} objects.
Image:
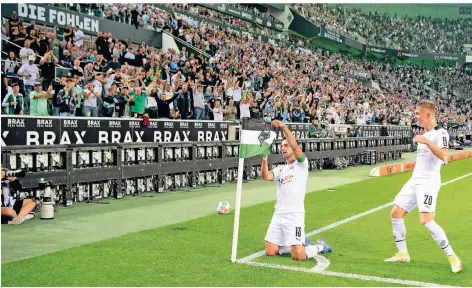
[{"x": 428, "y": 200}]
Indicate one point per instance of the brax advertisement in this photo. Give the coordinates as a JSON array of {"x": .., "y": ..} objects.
[
  {"x": 25, "y": 130},
  {"x": 60, "y": 131}
]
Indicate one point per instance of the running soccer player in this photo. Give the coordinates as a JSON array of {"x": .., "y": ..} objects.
[
  {"x": 423, "y": 187},
  {"x": 286, "y": 233}
]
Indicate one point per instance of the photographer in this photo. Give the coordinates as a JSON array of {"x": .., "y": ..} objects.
[{"x": 14, "y": 211}]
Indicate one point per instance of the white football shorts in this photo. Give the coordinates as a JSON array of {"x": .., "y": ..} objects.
[
  {"x": 287, "y": 230},
  {"x": 418, "y": 192}
]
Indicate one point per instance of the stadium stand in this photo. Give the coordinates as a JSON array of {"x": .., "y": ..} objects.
[
  {"x": 397, "y": 32},
  {"x": 245, "y": 75}
]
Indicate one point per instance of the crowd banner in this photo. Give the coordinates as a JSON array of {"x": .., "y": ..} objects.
[
  {"x": 277, "y": 6},
  {"x": 304, "y": 27},
  {"x": 465, "y": 10},
  {"x": 411, "y": 54},
  {"x": 354, "y": 44},
  {"x": 58, "y": 17},
  {"x": 331, "y": 35},
  {"x": 245, "y": 15}
]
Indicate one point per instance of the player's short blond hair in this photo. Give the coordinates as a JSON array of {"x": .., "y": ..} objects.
[{"x": 427, "y": 104}]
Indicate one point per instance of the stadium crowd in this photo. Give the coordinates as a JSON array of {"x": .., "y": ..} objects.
[
  {"x": 243, "y": 77},
  {"x": 395, "y": 32},
  {"x": 212, "y": 15}
]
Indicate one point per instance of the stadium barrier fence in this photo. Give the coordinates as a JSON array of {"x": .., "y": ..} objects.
[
  {"x": 89, "y": 172},
  {"x": 396, "y": 168}
]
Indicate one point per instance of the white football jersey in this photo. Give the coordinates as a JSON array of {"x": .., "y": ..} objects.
[
  {"x": 427, "y": 164},
  {"x": 291, "y": 187}
]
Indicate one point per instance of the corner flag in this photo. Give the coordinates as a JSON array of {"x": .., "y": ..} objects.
[{"x": 256, "y": 138}]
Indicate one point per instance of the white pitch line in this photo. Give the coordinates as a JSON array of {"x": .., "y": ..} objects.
[
  {"x": 347, "y": 275},
  {"x": 317, "y": 231},
  {"x": 354, "y": 217},
  {"x": 316, "y": 269},
  {"x": 321, "y": 263},
  {"x": 349, "y": 219}
]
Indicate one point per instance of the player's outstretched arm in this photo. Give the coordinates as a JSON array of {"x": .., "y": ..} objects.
[
  {"x": 290, "y": 138},
  {"x": 265, "y": 173}
]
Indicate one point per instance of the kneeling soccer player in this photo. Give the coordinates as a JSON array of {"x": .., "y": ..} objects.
[
  {"x": 423, "y": 187},
  {"x": 286, "y": 233}
]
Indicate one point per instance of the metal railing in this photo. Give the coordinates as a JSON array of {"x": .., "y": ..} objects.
[
  {"x": 188, "y": 45},
  {"x": 120, "y": 169}
]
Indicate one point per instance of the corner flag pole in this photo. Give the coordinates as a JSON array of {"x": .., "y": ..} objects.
[{"x": 237, "y": 209}]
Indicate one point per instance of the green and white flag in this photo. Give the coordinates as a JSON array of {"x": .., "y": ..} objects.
[{"x": 256, "y": 138}]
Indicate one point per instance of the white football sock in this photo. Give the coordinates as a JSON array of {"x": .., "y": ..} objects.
[
  {"x": 311, "y": 251},
  {"x": 284, "y": 250},
  {"x": 399, "y": 234},
  {"x": 28, "y": 217},
  {"x": 440, "y": 237}
]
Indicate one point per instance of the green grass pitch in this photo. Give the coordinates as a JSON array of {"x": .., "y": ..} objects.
[{"x": 197, "y": 252}]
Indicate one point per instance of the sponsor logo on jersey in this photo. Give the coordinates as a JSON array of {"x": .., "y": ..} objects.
[{"x": 285, "y": 179}]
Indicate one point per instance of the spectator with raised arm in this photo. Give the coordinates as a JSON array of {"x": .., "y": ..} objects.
[
  {"x": 67, "y": 99},
  {"x": 91, "y": 93},
  {"x": 39, "y": 100},
  {"x": 26, "y": 52},
  {"x": 78, "y": 37}
]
